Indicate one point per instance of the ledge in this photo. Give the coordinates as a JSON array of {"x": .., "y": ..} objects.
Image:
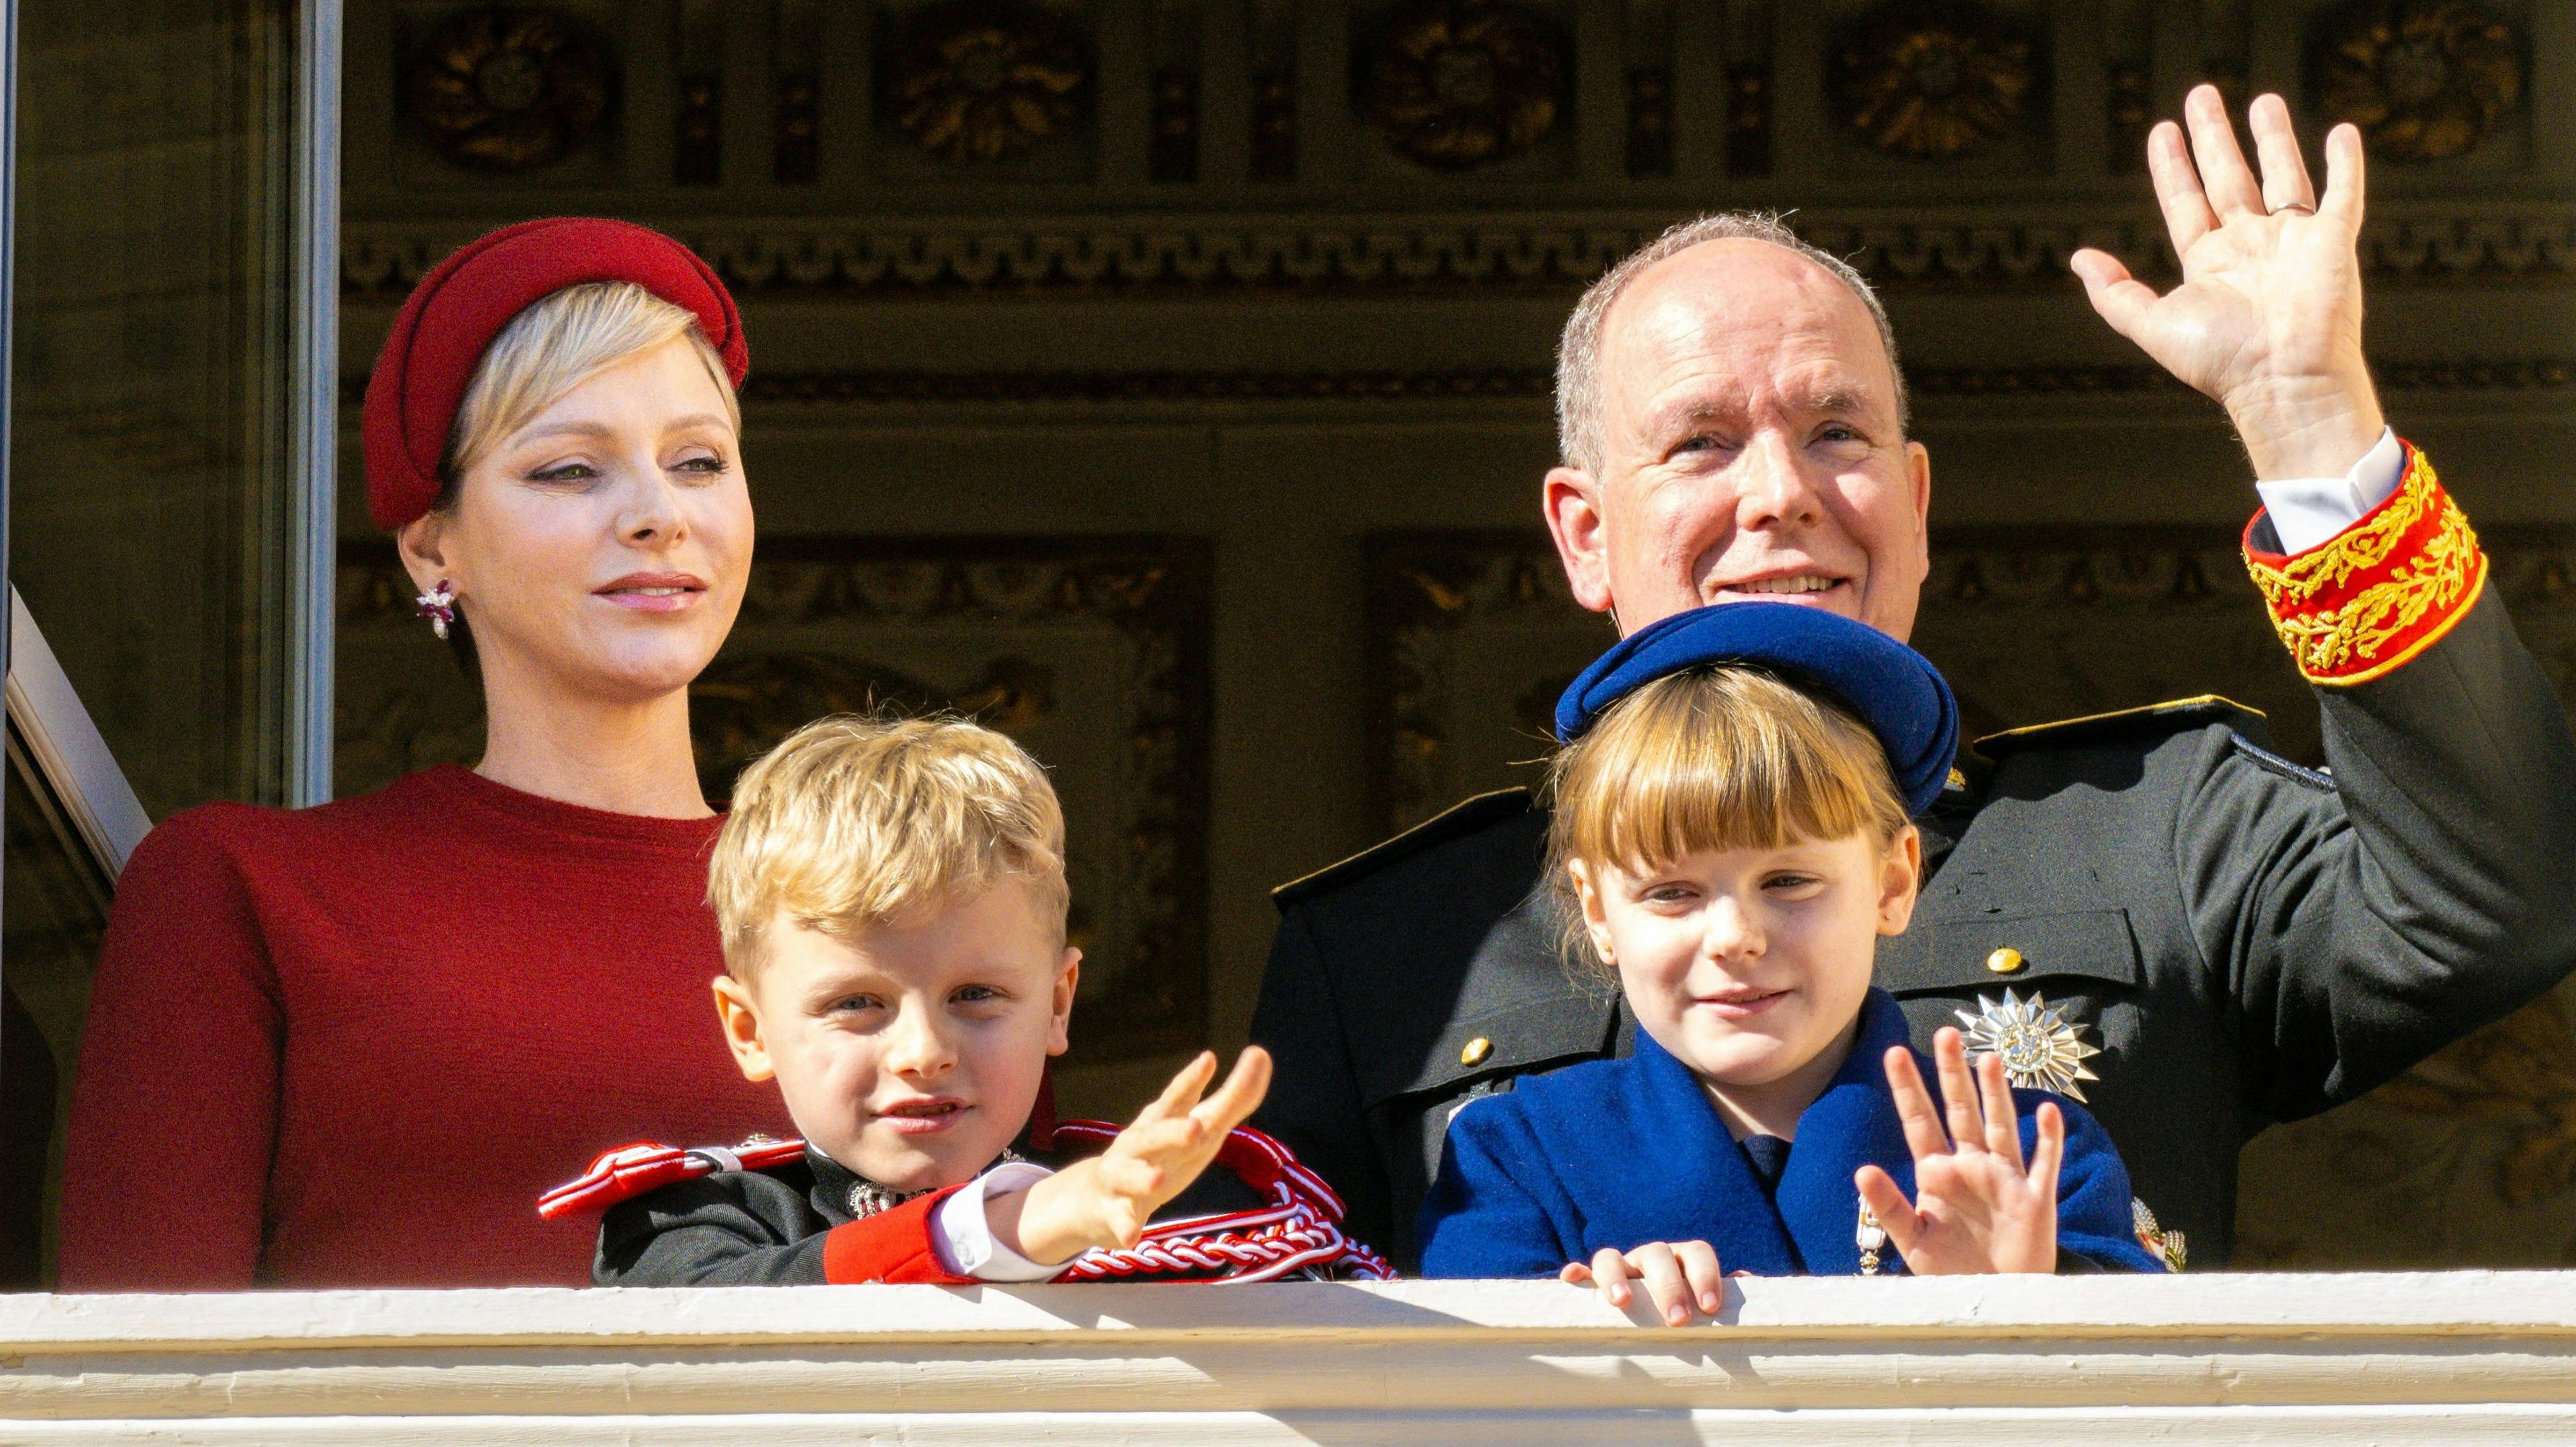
[
  {"x": 2451, "y": 1356},
  {"x": 2005, "y": 240}
]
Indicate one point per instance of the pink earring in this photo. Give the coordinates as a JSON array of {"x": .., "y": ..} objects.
[{"x": 438, "y": 605}]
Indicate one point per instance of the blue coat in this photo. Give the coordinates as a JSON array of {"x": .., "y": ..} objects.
[{"x": 1622, "y": 1152}]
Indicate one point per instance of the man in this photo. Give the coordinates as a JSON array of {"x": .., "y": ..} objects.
[{"x": 2226, "y": 939}]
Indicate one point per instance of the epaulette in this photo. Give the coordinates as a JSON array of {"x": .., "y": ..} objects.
[
  {"x": 1457, "y": 821},
  {"x": 2175, "y": 716},
  {"x": 630, "y": 1171}
]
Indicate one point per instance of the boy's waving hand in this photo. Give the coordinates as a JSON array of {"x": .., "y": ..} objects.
[{"x": 1106, "y": 1200}]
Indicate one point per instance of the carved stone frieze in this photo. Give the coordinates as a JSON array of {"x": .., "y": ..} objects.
[
  {"x": 1457, "y": 84},
  {"x": 1751, "y": 109},
  {"x": 1650, "y": 121},
  {"x": 980, "y": 80},
  {"x": 1897, "y": 249},
  {"x": 509, "y": 87},
  {"x": 2426, "y": 80},
  {"x": 1935, "y": 80},
  {"x": 1508, "y": 384},
  {"x": 1172, "y": 157}
]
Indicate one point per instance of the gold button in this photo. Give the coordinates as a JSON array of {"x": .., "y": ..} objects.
[
  {"x": 1476, "y": 1051},
  {"x": 2005, "y": 961}
]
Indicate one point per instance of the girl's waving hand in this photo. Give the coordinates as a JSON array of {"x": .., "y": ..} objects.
[{"x": 1977, "y": 1207}]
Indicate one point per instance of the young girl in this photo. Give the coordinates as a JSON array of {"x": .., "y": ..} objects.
[{"x": 1732, "y": 837}]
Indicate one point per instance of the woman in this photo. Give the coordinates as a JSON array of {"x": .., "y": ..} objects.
[{"x": 349, "y": 1045}]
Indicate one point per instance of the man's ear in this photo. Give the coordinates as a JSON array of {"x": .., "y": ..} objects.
[
  {"x": 742, "y": 1029},
  {"x": 1900, "y": 876},
  {"x": 1068, "y": 974},
  {"x": 1572, "y": 501},
  {"x": 1596, "y": 917},
  {"x": 422, "y": 544},
  {"x": 1918, "y": 475}
]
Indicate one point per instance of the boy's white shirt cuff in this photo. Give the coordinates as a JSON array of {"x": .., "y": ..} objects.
[
  {"x": 965, "y": 1239},
  {"x": 2308, "y": 511}
]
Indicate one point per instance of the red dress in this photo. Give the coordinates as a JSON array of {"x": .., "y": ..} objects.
[{"x": 351, "y": 1045}]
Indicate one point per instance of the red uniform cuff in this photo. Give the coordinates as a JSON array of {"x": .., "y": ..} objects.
[
  {"x": 895, "y": 1245},
  {"x": 2365, "y": 602}
]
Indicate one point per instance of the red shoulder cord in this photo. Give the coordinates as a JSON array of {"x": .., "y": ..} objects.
[{"x": 1298, "y": 1232}]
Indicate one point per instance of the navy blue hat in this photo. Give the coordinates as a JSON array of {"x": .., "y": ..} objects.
[{"x": 1886, "y": 685}]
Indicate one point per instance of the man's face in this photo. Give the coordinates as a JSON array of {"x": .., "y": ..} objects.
[
  {"x": 1750, "y": 448},
  {"x": 912, "y": 1052}
]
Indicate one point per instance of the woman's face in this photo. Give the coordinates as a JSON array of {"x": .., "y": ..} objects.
[{"x": 603, "y": 546}]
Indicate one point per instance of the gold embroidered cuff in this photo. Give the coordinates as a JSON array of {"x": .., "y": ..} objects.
[{"x": 2368, "y": 600}]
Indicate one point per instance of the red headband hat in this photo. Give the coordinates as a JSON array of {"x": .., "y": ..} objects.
[{"x": 440, "y": 334}]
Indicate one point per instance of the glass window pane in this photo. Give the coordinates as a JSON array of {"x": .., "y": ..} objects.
[
  {"x": 149, "y": 475},
  {"x": 151, "y": 480},
  {"x": 56, "y": 907}
]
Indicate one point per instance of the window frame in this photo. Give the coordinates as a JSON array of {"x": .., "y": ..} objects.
[{"x": 52, "y": 738}]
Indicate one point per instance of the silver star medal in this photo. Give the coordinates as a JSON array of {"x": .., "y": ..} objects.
[{"x": 2041, "y": 1048}]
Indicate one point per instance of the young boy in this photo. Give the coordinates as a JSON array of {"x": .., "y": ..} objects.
[
  {"x": 892, "y": 900},
  {"x": 1732, "y": 844}
]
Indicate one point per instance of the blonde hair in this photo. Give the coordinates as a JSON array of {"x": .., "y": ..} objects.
[
  {"x": 1709, "y": 759},
  {"x": 561, "y": 341},
  {"x": 857, "y": 821}
]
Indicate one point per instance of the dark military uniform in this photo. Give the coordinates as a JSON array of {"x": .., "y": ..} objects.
[{"x": 2249, "y": 941}]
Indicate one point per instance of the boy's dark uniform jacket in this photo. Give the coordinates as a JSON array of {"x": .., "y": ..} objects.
[
  {"x": 2247, "y": 940},
  {"x": 773, "y": 1226}
]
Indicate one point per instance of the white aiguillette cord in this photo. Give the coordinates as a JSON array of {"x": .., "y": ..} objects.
[{"x": 1869, "y": 1236}]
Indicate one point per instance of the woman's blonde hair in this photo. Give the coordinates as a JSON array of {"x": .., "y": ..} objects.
[
  {"x": 858, "y": 821},
  {"x": 561, "y": 341},
  {"x": 1708, "y": 759}
]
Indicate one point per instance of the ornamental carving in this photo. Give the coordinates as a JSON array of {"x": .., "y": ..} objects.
[
  {"x": 1486, "y": 254},
  {"x": 1457, "y": 84},
  {"x": 1931, "y": 80},
  {"x": 509, "y": 88},
  {"x": 985, "y": 80},
  {"x": 2424, "y": 79}
]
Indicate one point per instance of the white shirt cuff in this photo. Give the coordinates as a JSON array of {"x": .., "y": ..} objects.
[
  {"x": 965, "y": 1238},
  {"x": 2307, "y": 511}
]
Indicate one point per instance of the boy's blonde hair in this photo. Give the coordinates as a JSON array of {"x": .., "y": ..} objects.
[
  {"x": 1708, "y": 759},
  {"x": 858, "y": 821},
  {"x": 561, "y": 341}
]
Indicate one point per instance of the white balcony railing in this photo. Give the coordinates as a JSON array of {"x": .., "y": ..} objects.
[{"x": 2456, "y": 1357}]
